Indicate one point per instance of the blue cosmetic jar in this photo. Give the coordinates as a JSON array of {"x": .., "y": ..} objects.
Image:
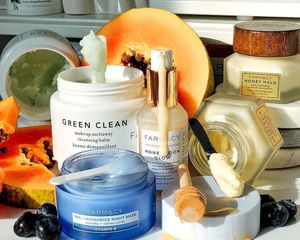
[{"x": 118, "y": 204}]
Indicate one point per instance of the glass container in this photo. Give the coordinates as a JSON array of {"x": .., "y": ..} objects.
[{"x": 242, "y": 129}]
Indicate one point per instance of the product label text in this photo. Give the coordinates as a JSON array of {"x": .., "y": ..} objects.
[
  {"x": 261, "y": 85},
  {"x": 105, "y": 224}
]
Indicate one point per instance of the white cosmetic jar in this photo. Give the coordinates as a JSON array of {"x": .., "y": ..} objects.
[
  {"x": 86, "y": 115},
  {"x": 29, "y": 66},
  {"x": 33, "y": 7}
]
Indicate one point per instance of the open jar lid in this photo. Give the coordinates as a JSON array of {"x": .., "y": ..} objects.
[
  {"x": 29, "y": 66},
  {"x": 128, "y": 171}
]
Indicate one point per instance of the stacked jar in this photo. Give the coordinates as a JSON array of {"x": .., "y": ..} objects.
[
  {"x": 266, "y": 65},
  {"x": 258, "y": 94}
]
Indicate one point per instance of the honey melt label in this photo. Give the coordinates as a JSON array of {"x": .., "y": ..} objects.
[
  {"x": 261, "y": 85},
  {"x": 268, "y": 125}
]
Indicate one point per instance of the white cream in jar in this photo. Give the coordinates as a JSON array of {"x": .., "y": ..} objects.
[
  {"x": 95, "y": 107},
  {"x": 87, "y": 115}
]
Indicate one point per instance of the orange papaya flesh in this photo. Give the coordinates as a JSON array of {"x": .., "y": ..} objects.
[
  {"x": 28, "y": 146},
  {"x": 132, "y": 35},
  {"x": 25, "y": 163},
  {"x": 27, "y": 186},
  {"x": 1, "y": 179},
  {"x": 9, "y": 112}
]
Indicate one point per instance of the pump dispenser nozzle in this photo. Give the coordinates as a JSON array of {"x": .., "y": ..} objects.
[
  {"x": 167, "y": 59},
  {"x": 159, "y": 94}
]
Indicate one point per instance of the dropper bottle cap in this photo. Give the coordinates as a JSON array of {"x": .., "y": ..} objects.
[
  {"x": 153, "y": 79},
  {"x": 167, "y": 56}
]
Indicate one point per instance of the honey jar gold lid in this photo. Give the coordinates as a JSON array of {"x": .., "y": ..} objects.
[{"x": 266, "y": 38}]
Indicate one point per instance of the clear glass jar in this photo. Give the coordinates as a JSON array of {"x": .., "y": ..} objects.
[
  {"x": 242, "y": 129},
  {"x": 266, "y": 62}
]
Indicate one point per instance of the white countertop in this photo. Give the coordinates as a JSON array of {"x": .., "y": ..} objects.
[{"x": 280, "y": 184}]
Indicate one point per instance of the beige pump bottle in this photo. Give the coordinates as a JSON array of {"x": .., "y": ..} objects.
[{"x": 162, "y": 122}]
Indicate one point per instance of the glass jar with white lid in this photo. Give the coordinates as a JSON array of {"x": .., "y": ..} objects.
[{"x": 266, "y": 62}]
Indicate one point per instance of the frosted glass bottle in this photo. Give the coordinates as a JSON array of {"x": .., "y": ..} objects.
[
  {"x": 164, "y": 167},
  {"x": 266, "y": 63}
]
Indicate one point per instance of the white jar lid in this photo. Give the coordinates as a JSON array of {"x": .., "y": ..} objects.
[
  {"x": 31, "y": 42},
  {"x": 220, "y": 227},
  {"x": 285, "y": 115}
]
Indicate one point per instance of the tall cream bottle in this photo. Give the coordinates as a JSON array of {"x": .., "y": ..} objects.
[{"x": 162, "y": 122}]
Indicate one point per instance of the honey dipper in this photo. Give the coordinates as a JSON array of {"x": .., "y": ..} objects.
[{"x": 189, "y": 201}]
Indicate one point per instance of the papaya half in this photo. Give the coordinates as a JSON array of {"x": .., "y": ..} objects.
[
  {"x": 1, "y": 179},
  {"x": 26, "y": 164},
  {"x": 9, "y": 112},
  {"x": 131, "y": 36}
]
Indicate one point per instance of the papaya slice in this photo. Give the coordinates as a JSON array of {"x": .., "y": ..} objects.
[
  {"x": 27, "y": 186},
  {"x": 9, "y": 112},
  {"x": 26, "y": 163},
  {"x": 1, "y": 179},
  {"x": 28, "y": 146},
  {"x": 132, "y": 35}
]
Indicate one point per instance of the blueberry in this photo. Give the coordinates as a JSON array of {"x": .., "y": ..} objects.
[
  {"x": 47, "y": 227},
  {"x": 290, "y": 206},
  {"x": 274, "y": 214},
  {"x": 47, "y": 208},
  {"x": 266, "y": 198},
  {"x": 24, "y": 226}
]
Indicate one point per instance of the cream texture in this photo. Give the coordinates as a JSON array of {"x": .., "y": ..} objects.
[
  {"x": 229, "y": 181},
  {"x": 223, "y": 144},
  {"x": 94, "y": 50}
]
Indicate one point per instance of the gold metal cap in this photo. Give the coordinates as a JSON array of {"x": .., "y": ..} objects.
[{"x": 152, "y": 87}]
